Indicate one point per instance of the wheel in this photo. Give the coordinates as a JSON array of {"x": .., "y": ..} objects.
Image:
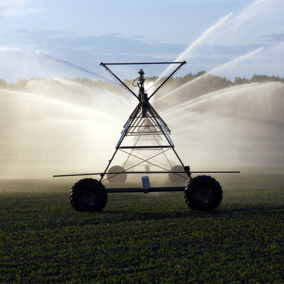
[
  {"x": 203, "y": 193},
  {"x": 88, "y": 195},
  {"x": 120, "y": 178},
  {"x": 176, "y": 178}
]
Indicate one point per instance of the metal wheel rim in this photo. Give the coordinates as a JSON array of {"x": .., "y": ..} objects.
[
  {"x": 88, "y": 197},
  {"x": 203, "y": 194}
]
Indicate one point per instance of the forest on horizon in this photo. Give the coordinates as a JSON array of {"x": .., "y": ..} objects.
[{"x": 208, "y": 83}]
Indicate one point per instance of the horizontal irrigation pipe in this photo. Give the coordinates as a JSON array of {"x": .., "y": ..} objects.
[
  {"x": 143, "y": 147},
  {"x": 151, "y": 189},
  {"x": 152, "y": 172},
  {"x": 139, "y": 63}
]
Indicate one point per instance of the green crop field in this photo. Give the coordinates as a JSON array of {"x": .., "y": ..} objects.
[{"x": 143, "y": 238}]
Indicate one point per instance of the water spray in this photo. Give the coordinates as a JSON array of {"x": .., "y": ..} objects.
[
  {"x": 63, "y": 104},
  {"x": 237, "y": 60},
  {"x": 205, "y": 97},
  {"x": 217, "y": 94},
  {"x": 197, "y": 42},
  {"x": 96, "y": 89},
  {"x": 72, "y": 65},
  {"x": 151, "y": 136}
]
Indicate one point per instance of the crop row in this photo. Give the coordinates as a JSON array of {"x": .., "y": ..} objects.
[{"x": 142, "y": 238}]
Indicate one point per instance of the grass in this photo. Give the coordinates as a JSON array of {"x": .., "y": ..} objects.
[{"x": 142, "y": 238}]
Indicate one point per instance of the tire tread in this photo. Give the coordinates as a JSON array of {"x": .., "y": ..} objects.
[
  {"x": 194, "y": 183},
  {"x": 79, "y": 186}
]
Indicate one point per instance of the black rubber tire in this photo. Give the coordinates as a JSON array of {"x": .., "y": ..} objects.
[
  {"x": 177, "y": 178},
  {"x": 120, "y": 178},
  {"x": 88, "y": 195},
  {"x": 203, "y": 193}
]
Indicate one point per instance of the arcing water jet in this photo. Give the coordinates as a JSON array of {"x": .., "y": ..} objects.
[
  {"x": 197, "y": 42},
  {"x": 41, "y": 133},
  {"x": 72, "y": 65},
  {"x": 254, "y": 87},
  {"x": 71, "y": 83},
  {"x": 204, "y": 97},
  {"x": 241, "y": 126},
  {"x": 237, "y": 60}
]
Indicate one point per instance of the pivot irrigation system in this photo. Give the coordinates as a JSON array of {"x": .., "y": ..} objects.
[{"x": 145, "y": 142}]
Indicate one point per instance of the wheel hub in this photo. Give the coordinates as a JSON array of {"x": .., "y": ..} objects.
[
  {"x": 88, "y": 197},
  {"x": 203, "y": 194}
]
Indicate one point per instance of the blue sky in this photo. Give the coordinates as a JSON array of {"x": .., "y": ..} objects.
[{"x": 86, "y": 33}]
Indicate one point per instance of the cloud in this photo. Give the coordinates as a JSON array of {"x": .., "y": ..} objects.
[
  {"x": 7, "y": 49},
  {"x": 15, "y": 8},
  {"x": 13, "y": 3},
  {"x": 43, "y": 34},
  {"x": 106, "y": 44},
  {"x": 10, "y": 13},
  {"x": 274, "y": 37},
  {"x": 88, "y": 51}
]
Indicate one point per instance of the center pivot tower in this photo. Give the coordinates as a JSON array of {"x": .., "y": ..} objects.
[
  {"x": 145, "y": 148},
  {"x": 150, "y": 144}
]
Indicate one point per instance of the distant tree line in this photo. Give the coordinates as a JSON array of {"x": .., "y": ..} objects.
[{"x": 209, "y": 83}]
